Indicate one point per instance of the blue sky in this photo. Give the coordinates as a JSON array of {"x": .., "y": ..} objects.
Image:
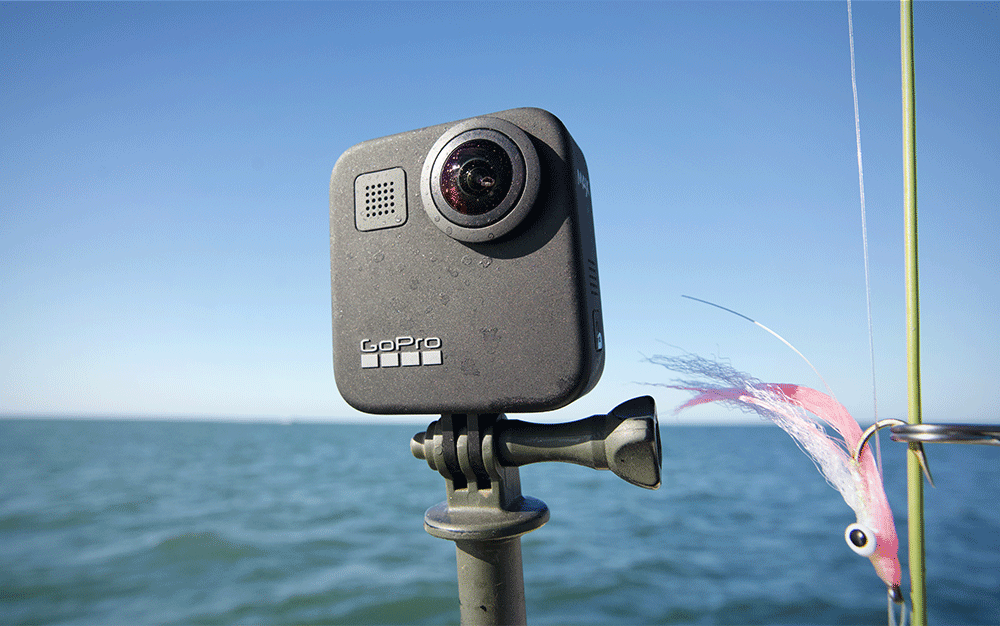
[{"x": 164, "y": 203}]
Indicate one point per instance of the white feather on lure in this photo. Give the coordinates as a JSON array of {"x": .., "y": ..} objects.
[
  {"x": 802, "y": 412},
  {"x": 767, "y": 401}
]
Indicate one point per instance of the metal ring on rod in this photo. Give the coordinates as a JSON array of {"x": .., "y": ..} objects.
[{"x": 986, "y": 434}]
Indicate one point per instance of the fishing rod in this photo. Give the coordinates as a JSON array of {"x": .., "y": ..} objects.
[
  {"x": 915, "y": 432},
  {"x": 914, "y": 479}
]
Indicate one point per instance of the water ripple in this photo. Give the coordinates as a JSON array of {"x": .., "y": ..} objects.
[{"x": 181, "y": 523}]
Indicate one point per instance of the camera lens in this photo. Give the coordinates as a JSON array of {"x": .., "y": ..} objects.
[
  {"x": 480, "y": 179},
  {"x": 476, "y": 177}
]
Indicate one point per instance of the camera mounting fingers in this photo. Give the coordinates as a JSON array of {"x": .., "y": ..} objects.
[{"x": 454, "y": 446}]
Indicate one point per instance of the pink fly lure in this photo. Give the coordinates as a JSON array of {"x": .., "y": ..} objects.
[
  {"x": 789, "y": 406},
  {"x": 845, "y": 460}
]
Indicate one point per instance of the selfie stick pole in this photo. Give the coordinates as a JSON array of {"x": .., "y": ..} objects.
[{"x": 485, "y": 513}]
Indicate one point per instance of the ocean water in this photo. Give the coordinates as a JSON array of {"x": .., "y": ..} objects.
[{"x": 157, "y": 522}]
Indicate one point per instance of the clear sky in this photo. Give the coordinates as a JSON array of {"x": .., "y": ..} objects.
[{"x": 165, "y": 171}]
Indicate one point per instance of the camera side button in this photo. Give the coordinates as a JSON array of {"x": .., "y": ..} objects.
[{"x": 598, "y": 330}]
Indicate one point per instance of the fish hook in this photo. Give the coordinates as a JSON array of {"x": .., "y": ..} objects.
[
  {"x": 917, "y": 447},
  {"x": 896, "y": 600}
]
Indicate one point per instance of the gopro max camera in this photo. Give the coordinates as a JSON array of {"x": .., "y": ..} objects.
[{"x": 464, "y": 269}]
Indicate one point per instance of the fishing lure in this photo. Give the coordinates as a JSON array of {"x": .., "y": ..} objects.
[{"x": 843, "y": 459}]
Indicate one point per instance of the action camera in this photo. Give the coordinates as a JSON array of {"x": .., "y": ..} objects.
[{"x": 464, "y": 269}]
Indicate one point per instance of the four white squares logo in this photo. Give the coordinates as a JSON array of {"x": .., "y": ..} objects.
[{"x": 401, "y": 352}]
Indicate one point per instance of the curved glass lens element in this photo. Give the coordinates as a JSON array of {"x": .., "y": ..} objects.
[{"x": 476, "y": 177}]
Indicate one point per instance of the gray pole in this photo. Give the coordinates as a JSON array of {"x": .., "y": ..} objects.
[{"x": 490, "y": 582}]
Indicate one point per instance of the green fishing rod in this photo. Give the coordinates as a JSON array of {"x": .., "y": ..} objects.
[{"x": 914, "y": 477}]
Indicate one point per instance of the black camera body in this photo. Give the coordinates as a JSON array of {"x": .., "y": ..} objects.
[{"x": 464, "y": 269}]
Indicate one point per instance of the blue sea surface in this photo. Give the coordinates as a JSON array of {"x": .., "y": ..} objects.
[{"x": 183, "y": 522}]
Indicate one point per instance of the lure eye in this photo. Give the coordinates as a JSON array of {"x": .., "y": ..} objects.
[{"x": 861, "y": 539}]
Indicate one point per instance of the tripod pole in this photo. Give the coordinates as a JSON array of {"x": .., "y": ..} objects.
[
  {"x": 490, "y": 582},
  {"x": 485, "y": 513}
]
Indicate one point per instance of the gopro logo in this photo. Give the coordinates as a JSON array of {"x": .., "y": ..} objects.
[{"x": 403, "y": 351}]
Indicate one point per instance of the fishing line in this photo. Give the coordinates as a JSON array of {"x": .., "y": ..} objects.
[
  {"x": 864, "y": 218},
  {"x": 864, "y": 231},
  {"x": 779, "y": 337}
]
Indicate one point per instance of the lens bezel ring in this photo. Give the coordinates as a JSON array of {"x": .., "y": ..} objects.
[{"x": 516, "y": 203}]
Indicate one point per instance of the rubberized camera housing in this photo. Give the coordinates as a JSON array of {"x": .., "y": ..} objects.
[{"x": 493, "y": 310}]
